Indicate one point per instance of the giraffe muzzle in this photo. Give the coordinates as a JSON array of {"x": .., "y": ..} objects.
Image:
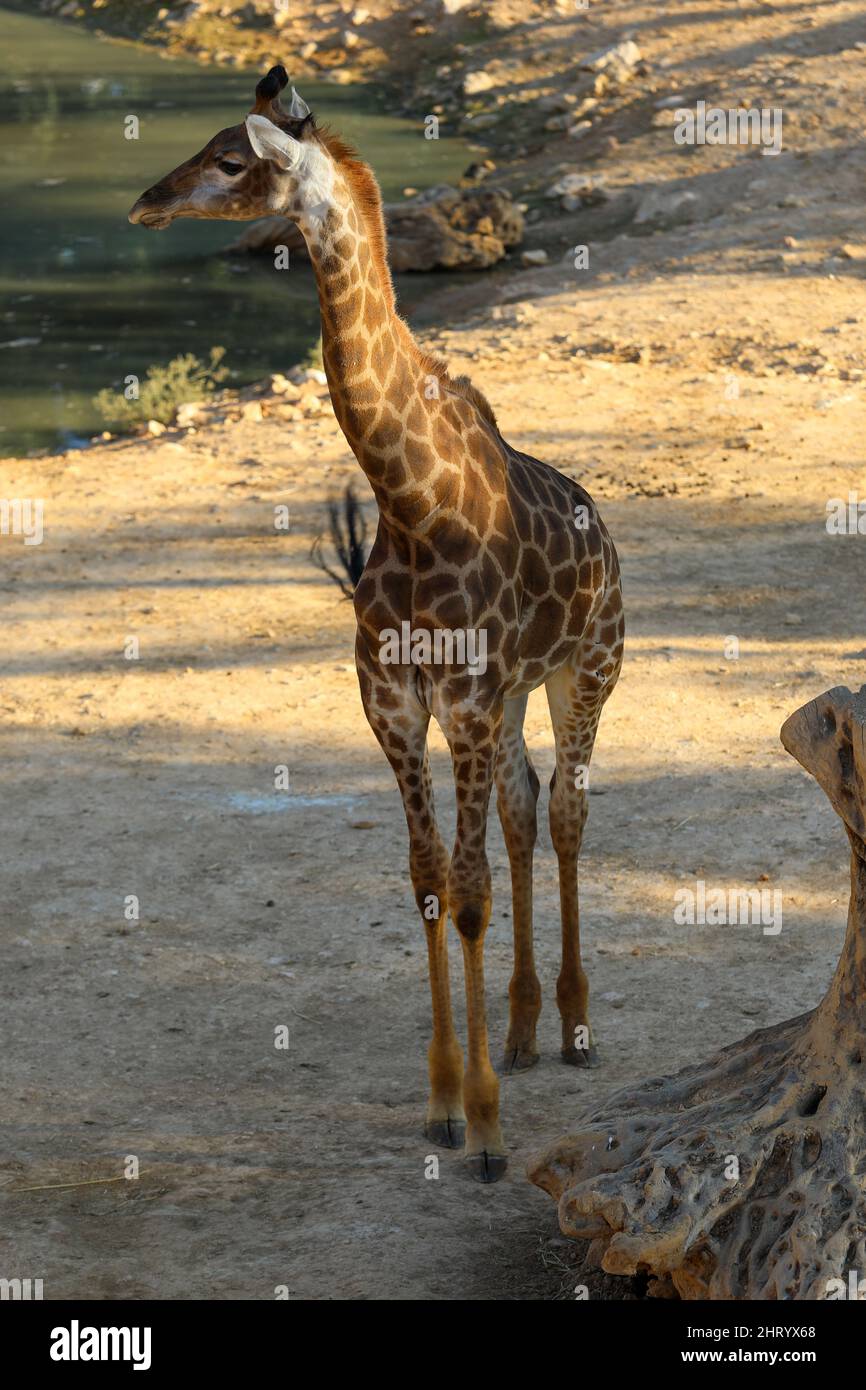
[
  {"x": 154, "y": 219},
  {"x": 152, "y": 210}
]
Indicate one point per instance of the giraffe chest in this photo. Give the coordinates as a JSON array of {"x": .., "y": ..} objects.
[{"x": 429, "y": 630}]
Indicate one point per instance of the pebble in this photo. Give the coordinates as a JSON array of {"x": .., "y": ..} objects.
[
  {"x": 619, "y": 55},
  {"x": 479, "y": 81}
]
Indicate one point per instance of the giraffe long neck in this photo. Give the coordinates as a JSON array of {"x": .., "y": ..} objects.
[{"x": 383, "y": 394}]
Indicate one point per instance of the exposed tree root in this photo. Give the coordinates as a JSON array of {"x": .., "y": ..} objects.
[{"x": 745, "y": 1176}]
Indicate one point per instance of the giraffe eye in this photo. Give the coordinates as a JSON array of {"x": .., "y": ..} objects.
[{"x": 229, "y": 167}]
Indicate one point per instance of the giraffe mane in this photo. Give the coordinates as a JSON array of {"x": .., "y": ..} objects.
[{"x": 368, "y": 200}]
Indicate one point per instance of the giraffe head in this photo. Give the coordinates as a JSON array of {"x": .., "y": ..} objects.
[{"x": 273, "y": 162}]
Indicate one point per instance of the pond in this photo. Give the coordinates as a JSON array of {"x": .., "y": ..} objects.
[{"x": 88, "y": 299}]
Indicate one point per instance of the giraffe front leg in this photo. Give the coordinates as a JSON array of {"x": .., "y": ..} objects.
[
  {"x": 400, "y": 724},
  {"x": 446, "y": 1119},
  {"x": 516, "y": 796},
  {"x": 473, "y": 750},
  {"x": 428, "y": 865}
]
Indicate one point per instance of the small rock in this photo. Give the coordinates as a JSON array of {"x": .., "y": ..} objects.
[
  {"x": 251, "y": 412},
  {"x": 189, "y": 414},
  {"x": 557, "y": 101},
  {"x": 620, "y": 57},
  {"x": 660, "y": 207},
  {"x": 281, "y": 386},
  {"x": 477, "y": 171},
  {"x": 850, "y": 252},
  {"x": 478, "y": 81},
  {"x": 569, "y": 183},
  {"x": 483, "y": 122},
  {"x": 532, "y": 258},
  {"x": 155, "y": 427}
]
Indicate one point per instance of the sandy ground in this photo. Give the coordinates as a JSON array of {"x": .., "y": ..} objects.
[{"x": 703, "y": 384}]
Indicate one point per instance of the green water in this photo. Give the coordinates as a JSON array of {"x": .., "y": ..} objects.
[{"x": 88, "y": 299}]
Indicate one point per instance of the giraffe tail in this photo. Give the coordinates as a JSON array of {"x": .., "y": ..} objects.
[{"x": 348, "y": 534}]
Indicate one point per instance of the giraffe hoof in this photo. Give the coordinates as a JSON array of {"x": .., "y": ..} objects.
[
  {"x": 517, "y": 1059},
  {"x": 448, "y": 1134},
  {"x": 485, "y": 1167},
  {"x": 581, "y": 1056}
]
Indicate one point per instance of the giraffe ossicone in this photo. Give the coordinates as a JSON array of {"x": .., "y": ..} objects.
[
  {"x": 298, "y": 108},
  {"x": 473, "y": 536}
]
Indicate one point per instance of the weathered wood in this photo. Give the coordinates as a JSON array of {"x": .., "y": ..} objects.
[{"x": 648, "y": 1174}]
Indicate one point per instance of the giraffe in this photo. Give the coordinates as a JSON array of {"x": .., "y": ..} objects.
[{"x": 474, "y": 538}]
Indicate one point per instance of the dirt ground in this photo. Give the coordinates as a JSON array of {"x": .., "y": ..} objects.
[{"x": 705, "y": 384}]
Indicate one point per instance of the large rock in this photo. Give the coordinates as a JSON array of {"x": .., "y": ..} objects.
[{"x": 443, "y": 229}]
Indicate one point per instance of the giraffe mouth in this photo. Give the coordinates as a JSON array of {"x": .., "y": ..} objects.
[{"x": 155, "y": 219}]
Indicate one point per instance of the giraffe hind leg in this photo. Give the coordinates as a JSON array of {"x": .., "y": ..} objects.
[{"x": 575, "y": 694}]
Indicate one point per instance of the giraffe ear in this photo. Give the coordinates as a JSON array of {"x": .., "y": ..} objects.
[
  {"x": 299, "y": 110},
  {"x": 269, "y": 142}
]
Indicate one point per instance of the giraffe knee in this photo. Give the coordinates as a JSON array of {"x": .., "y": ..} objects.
[
  {"x": 471, "y": 918},
  {"x": 568, "y": 813},
  {"x": 469, "y": 899},
  {"x": 428, "y": 868}
]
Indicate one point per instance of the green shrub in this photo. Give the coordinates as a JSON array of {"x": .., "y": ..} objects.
[
  {"x": 313, "y": 357},
  {"x": 164, "y": 388}
]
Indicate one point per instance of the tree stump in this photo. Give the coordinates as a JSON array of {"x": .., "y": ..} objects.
[{"x": 745, "y": 1176}]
